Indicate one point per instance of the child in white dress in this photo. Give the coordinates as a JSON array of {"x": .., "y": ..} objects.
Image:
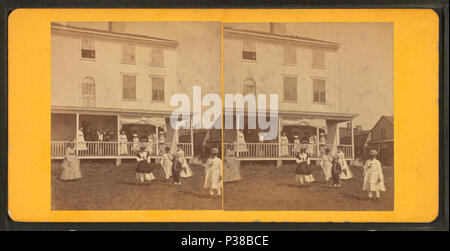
[
  {"x": 166, "y": 162},
  {"x": 213, "y": 173},
  {"x": 373, "y": 176}
]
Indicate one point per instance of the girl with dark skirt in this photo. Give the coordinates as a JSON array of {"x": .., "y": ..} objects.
[
  {"x": 144, "y": 169},
  {"x": 303, "y": 172}
]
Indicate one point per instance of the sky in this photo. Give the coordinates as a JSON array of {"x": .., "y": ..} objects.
[{"x": 365, "y": 64}]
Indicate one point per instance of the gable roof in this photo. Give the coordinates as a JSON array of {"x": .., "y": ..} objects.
[{"x": 389, "y": 119}]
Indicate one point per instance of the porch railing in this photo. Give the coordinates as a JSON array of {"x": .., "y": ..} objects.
[
  {"x": 111, "y": 149},
  {"x": 275, "y": 150}
]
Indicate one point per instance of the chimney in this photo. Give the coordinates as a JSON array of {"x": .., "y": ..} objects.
[
  {"x": 278, "y": 28},
  {"x": 117, "y": 26}
]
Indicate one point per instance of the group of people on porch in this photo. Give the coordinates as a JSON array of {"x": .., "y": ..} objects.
[
  {"x": 128, "y": 145},
  {"x": 146, "y": 140},
  {"x": 307, "y": 142}
]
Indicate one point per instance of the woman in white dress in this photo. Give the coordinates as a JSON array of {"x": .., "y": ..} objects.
[
  {"x": 346, "y": 172},
  {"x": 186, "y": 172},
  {"x": 326, "y": 164},
  {"x": 70, "y": 165},
  {"x": 284, "y": 151},
  {"x": 231, "y": 166},
  {"x": 150, "y": 145},
  {"x": 241, "y": 144},
  {"x": 81, "y": 144},
  {"x": 135, "y": 147},
  {"x": 123, "y": 143}
]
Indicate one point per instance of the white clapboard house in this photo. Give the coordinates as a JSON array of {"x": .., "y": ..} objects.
[
  {"x": 105, "y": 80},
  {"x": 302, "y": 71}
]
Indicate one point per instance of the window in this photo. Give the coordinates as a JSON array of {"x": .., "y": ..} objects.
[
  {"x": 318, "y": 59},
  {"x": 249, "y": 50},
  {"x": 88, "y": 92},
  {"x": 319, "y": 91},
  {"x": 157, "y": 88},
  {"x": 383, "y": 133},
  {"x": 129, "y": 87},
  {"x": 157, "y": 57},
  {"x": 290, "y": 88},
  {"x": 249, "y": 87},
  {"x": 289, "y": 55},
  {"x": 88, "y": 48},
  {"x": 128, "y": 53}
]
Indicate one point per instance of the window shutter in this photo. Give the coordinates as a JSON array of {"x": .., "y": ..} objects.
[
  {"x": 158, "y": 88},
  {"x": 129, "y": 86},
  {"x": 290, "y": 88}
]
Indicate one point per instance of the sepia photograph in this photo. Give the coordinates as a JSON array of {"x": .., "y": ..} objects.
[
  {"x": 329, "y": 146},
  {"x": 114, "y": 142}
]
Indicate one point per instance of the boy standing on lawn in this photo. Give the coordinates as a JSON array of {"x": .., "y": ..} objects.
[
  {"x": 176, "y": 169},
  {"x": 336, "y": 170},
  {"x": 373, "y": 176}
]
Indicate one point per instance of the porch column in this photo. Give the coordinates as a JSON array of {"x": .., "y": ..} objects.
[
  {"x": 352, "y": 138},
  {"x": 157, "y": 139},
  {"x": 279, "y": 135},
  {"x": 77, "y": 127},
  {"x": 237, "y": 129},
  {"x": 279, "y": 160},
  {"x": 317, "y": 142},
  {"x": 118, "y": 160},
  {"x": 192, "y": 136}
]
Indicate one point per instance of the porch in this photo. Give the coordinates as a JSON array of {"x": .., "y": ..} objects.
[
  {"x": 313, "y": 131},
  {"x": 111, "y": 150},
  {"x": 108, "y": 134}
]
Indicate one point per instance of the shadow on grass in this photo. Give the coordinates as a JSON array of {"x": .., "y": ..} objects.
[
  {"x": 354, "y": 197},
  {"x": 198, "y": 195}
]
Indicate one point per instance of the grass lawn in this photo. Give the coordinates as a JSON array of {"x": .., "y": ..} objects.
[
  {"x": 105, "y": 186},
  {"x": 264, "y": 187}
]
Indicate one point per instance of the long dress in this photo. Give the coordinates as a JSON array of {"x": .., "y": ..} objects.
[
  {"x": 231, "y": 170},
  {"x": 296, "y": 146},
  {"x": 167, "y": 163},
  {"x": 284, "y": 150},
  {"x": 150, "y": 146},
  {"x": 135, "y": 147},
  {"x": 373, "y": 176},
  {"x": 81, "y": 146},
  {"x": 213, "y": 173},
  {"x": 144, "y": 170},
  {"x": 123, "y": 144},
  {"x": 310, "y": 146},
  {"x": 346, "y": 172},
  {"x": 326, "y": 164},
  {"x": 71, "y": 166},
  {"x": 241, "y": 144},
  {"x": 186, "y": 172}
]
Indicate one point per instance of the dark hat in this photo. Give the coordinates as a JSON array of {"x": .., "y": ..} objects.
[{"x": 373, "y": 153}]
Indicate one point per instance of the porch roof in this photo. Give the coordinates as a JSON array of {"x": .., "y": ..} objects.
[
  {"x": 110, "y": 111},
  {"x": 338, "y": 116}
]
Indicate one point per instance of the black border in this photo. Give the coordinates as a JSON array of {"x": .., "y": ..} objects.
[{"x": 441, "y": 7}]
